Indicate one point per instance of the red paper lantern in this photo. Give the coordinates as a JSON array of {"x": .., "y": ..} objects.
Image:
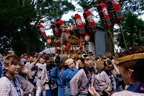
[
  {"x": 42, "y": 32},
  {"x": 90, "y": 22},
  {"x": 86, "y": 38},
  {"x": 49, "y": 41},
  {"x": 114, "y": 10},
  {"x": 55, "y": 30},
  {"x": 104, "y": 15},
  {"x": 59, "y": 24},
  {"x": 79, "y": 24}
]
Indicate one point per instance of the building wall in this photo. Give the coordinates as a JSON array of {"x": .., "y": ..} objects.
[{"x": 100, "y": 38}]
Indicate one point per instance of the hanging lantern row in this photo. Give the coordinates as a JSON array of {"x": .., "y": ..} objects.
[{"x": 112, "y": 11}]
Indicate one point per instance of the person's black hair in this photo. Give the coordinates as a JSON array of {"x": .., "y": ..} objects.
[
  {"x": 82, "y": 60},
  {"x": 108, "y": 63}
]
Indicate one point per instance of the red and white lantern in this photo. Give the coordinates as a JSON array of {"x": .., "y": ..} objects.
[
  {"x": 59, "y": 24},
  {"x": 104, "y": 16},
  {"x": 90, "y": 21},
  {"x": 86, "y": 38},
  {"x": 49, "y": 41},
  {"x": 42, "y": 32},
  {"x": 79, "y": 24},
  {"x": 114, "y": 10}
]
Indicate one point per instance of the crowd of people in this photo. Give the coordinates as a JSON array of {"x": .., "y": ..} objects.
[{"x": 53, "y": 75}]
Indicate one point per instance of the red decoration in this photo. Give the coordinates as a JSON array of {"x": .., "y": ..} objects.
[
  {"x": 114, "y": 10},
  {"x": 59, "y": 24},
  {"x": 90, "y": 22},
  {"x": 104, "y": 15},
  {"x": 86, "y": 38},
  {"x": 79, "y": 24},
  {"x": 64, "y": 36},
  {"x": 55, "y": 30},
  {"x": 67, "y": 47},
  {"x": 49, "y": 41},
  {"x": 42, "y": 32},
  {"x": 58, "y": 49},
  {"x": 72, "y": 28}
]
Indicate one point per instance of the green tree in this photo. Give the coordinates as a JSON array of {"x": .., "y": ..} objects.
[
  {"x": 133, "y": 30},
  {"x": 19, "y": 19}
]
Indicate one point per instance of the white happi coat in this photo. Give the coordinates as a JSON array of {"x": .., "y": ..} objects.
[
  {"x": 32, "y": 69},
  {"x": 105, "y": 82},
  {"x": 79, "y": 84},
  {"x": 7, "y": 88},
  {"x": 127, "y": 93},
  {"x": 42, "y": 76}
]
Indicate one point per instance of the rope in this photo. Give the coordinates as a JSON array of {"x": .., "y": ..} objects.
[
  {"x": 49, "y": 49},
  {"x": 123, "y": 35},
  {"x": 112, "y": 39}
]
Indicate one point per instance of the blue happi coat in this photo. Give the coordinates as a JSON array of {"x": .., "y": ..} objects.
[
  {"x": 57, "y": 76},
  {"x": 69, "y": 74}
]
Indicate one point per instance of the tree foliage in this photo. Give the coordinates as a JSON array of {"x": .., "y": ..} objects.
[
  {"x": 19, "y": 19},
  {"x": 133, "y": 29}
]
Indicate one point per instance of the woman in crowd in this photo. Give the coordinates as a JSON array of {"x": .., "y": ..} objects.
[
  {"x": 51, "y": 87},
  {"x": 69, "y": 74},
  {"x": 57, "y": 75},
  {"x": 84, "y": 78},
  {"x": 11, "y": 84},
  {"x": 41, "y": 77},
  {"x": 107, "y": 78},
  {"x": 131, "y": 68}
]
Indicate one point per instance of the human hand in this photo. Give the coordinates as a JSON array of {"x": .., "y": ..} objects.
[
  {"x": 24, "y": 69},
  {"x": 78, "y": 62},
  {"x": 43, "y": 87},
  {"x": 92, "y": 91}
]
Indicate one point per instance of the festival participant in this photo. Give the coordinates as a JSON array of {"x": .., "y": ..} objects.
[
  {"x": 41, "y": 77},
  {"x": 131, "y": 67},
  {"x": 84, "y": 78},
  {"x": 51, "y": 87},
  {"x": 69, "y": 74},
  {"x": 33, "y": 70},
  {"x": 57, "y": 75},
  {"x": 12, "y": 84},
  {"x": 28, "y": 63},
  {"x": 100, "y": 57},
  {"x": 107, "y": 78}
]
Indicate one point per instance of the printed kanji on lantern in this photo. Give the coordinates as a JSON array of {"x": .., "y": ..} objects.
[{"x": 114, "y": 9}]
